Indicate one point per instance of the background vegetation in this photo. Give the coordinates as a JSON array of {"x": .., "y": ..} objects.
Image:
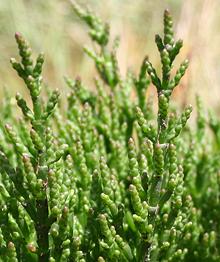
[{"x": 52, "y": 26}]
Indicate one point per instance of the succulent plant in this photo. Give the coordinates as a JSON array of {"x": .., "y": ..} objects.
[{"x": 105, "y": 178}]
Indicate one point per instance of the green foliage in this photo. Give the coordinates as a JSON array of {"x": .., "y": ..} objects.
[{"x": 106, "y": 179}]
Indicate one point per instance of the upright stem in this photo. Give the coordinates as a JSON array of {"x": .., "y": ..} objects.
[{"x": 42, "y": 229}]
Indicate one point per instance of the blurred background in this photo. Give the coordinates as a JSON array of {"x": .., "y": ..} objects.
[{"x": 52, "y": 27}]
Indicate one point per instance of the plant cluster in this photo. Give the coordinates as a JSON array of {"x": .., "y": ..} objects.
[{"x": 106, "y": 178}]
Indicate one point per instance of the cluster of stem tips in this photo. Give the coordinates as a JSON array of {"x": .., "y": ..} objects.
[{"x": 108, "y": 179}]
